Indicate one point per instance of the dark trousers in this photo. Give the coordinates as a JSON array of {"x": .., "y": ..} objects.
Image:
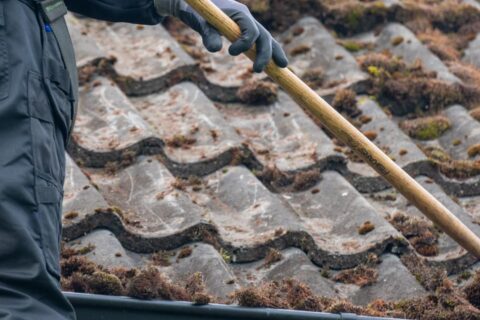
[{"x": 35, "y": 116}]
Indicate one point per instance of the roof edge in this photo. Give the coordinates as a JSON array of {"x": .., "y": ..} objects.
[{"x": 123, "y": 308}]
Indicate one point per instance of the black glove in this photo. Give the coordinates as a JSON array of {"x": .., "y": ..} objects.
[{"x": 252, "y": 31}]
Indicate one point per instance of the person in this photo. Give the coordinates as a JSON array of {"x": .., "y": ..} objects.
[{"x": 38, "y": 97}]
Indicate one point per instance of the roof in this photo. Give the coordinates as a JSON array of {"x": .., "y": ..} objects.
[{"x": 188, "y": 161}]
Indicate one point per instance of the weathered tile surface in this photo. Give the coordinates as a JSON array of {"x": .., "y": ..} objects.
[
  {"x": 282, "y": 135},
  {"x": 184, "y": 112},
  {"x": 143, "y": 53},
  {"x": 124, "y": 195},
  {"x": 86, "y": 49},
  {"x": 311, "y": 47}
]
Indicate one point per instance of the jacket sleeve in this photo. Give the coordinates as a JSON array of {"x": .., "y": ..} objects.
[{"x": 133, "y": 11}]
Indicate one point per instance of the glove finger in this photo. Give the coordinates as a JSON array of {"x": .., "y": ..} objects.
[
  {"x": 279, "y": 55},
  {"x": 249, "y": 31},
  {"x": 212, "y": 40},
  {"x": 192, "y": 20},
  {"x": 264, "y": 50}
]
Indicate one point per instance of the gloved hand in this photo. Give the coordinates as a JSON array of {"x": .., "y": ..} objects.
[{"x": 252, "y": 31}]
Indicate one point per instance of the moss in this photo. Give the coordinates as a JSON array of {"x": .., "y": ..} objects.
[
  {"x": 77, "y": 264},
  {"x": 430, "y": 278},
  {"x": 419, "y": 232},
  {"x": 258, "y": 92},
  {"x": 445, "y": 47},
  {"x": 150, "y": 284},
  {"x": 185, "y": 253},
  {"x": 306, "y": 179},
  {"x": 273, "y": 256},
  {"x": 355, "y": 46},
  {"x": 361, "y": 276},
  {"x": 459, "y": 169},
  {"x": 427, "y": 128},
  {"x": 71, "y": 215},
  {"x": 396, "y": 41},
  {"x": 227, "y": 257},
  {"x": 145, "y": 285},
  {"x": 365, "y": 228},
  {"x": 475, "y": 113},
  {"x": 410, "y": 89},
  {"x": 437, "y": 154},
  {"x": 325, "y": 273},
  {"x": 314, "y": 77},
  {"x": 473, "y": 151},
  {"x": 195, "y": 287},
  {"x": 472, "y": 291},
  {"x": 345, "y": 101},
  {"x": 371, "y": 135},
  {"x": 374, "y": 71},
  {"x": 161, "y": 258},
  {"x": 180, "y": 141},
  {"x": 104, "y": 283},
  {"x": 86, "y": 250},
  {"x": 301, "y": 49}
]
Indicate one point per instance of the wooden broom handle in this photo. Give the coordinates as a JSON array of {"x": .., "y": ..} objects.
[{"x": 347, "y": 133}]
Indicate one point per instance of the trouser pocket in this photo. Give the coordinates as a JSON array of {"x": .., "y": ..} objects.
[
  {"x": 49, "y": 211},
  {"x": 49, "y": 123},
  {"x": 4, "y": 59}
]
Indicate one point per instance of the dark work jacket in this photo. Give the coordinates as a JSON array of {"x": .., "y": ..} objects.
[{"x": 133, "y": 11}]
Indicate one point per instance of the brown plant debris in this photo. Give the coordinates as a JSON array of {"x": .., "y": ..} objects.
[
  {"x": 472, "y": 291},
  {"x": 427, "y": 128},
  {"x": 430, "y": 278},
  {"x": 150, "y": 284},
  {"x": 361, "y": 276},
  {"x": 371, "y": 135},
  {"x": 161, "y": 258},
  {"x": 445, "y": 47},
  {"x": 366, "y": 227},
  {"x": 419, "y": 232},
  {"x": 82, "y": 275},
  {"x": 301, "y": 49},
  {"x": 475, "y": 113},
  {"x": 299, "y": 181},
  {"x": 444, "y": 304},
  {"x": 185, "y": 253},
  {"x": 72, "y": 215},
  {"x": 180, "y": 141},
  {"x": 315, "y": 77},
  {"x": 473, "y": 151},
  {"x": 456, "y": 169},
  {"x": 273, "y": 256},
  {"x": 258, "y": 92},
  {"x": 345, "y": 101},
  {"x": 195, "y": 287},
  {"x": 410, "y": 89}
]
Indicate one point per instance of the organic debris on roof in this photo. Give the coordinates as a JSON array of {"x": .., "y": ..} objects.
[{"x": 191, "y": 177}]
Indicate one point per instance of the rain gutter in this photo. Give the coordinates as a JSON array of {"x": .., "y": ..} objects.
[{"x": 98, "y": 307}]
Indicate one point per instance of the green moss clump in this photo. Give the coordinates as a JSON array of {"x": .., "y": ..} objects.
[
  {"x": 410, "y": 89},
  {"x": 227, "y": 257},
  {"x": 104, "y": 283},
  {"x": 428, "y": 128},
  {"x": 352, "y": 46},
  {"x": 437, "y": 154}
]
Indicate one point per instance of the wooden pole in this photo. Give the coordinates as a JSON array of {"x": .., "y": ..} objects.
[{"x": 347, "y": 133}]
